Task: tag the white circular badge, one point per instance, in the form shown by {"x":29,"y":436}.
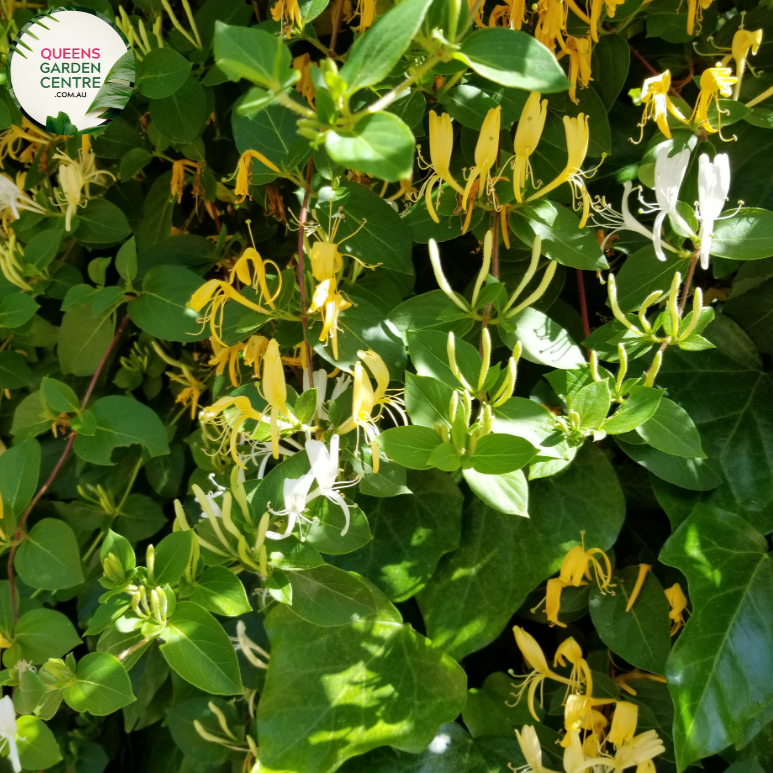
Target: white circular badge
{"x":70,"y":70}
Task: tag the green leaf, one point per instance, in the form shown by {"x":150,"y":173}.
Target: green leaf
{"x":14,"y":371}
{"x":41,"y":249}
{"x":513,"y":59}
{"x":380,"y":145}
{"x":328,"y":523}
{"x":181,"y":116}
{"x":19,"y":475}
{"x":642,"y":635}
{"x":37,"y":745}
{"x":16,"y":310}
{"x":199,"y":650}
{"x":745,"y":236}
{"x":374,"y":55}
{"x":83,"y":340}
{"x":562,"y":238}
{"x":220,"y":591}
{"x":507,"y":493}
{"x":326,"y":595}
{"x":101,"y":685}
{"x":410,"y":534}
{"x":48,"y":557}
{"x":610,"y":64}
{"x":118,"y":85}
{"x":717,"y":684}
{"x":162,"y":311}
{"x":490,"y":709}
{"x":247,"y":52}
{"x":58,"y":396}
{"x":161,"y":72}
{"x":135,"y":159}
{"x":44,"y":633}
{"x":61,"y":124}
{"x":102,"y":224}
{"x":429,"y":354}
{"x":639,"y":407}
{"x":427,"y":401}
{"x":476,"y":589}
{"x":409,"y":446}
{"x":544,"y":341}
{"x":672,"y":431}
{"x":181,"y":718}
{"x":121,"y":421}
{"x":365,"y":684}
{"x":172,"y":556}
{"x":274,"y":133}
{"x":497,"y":454}
{"x":591,"y":403}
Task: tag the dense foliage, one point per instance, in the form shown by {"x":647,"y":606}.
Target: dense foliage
{"x":387,"y":388}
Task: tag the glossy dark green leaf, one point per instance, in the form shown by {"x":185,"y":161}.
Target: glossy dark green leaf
{"x":48,"y":558}
{"x":161,"y":72}
{"x":181,"y":116}
{"x":717,"y":686}
{"x":747,"y":235}
{"x":43,"y":634}
{"x":83,"y":340}
{"x":412,"y":688}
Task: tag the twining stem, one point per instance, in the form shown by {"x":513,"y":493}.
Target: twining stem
{"x":583,"y":303}
{"x":301,"y":277}
{"x":687,"y":283}
{"x":58,"y":468}
{"x":650,"y":68}
{"x":337,"y":17}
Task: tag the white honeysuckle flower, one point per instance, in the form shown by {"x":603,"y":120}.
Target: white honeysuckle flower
{"x":607,"y":217}
{"x":12,"y":196}
{"x":713,"y":187}
{"x":669,"y":174}
{"x":324,"y":466}
{"x":8,"y":730}
{"x":296,"y":495}
{"x":252,"y":651}
{"x":341,"y":385}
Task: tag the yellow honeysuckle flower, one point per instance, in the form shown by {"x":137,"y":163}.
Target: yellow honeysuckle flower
{"x":578,"y":564}
{"x":192,"y":387}
{"x":554,"y":589}
{"x":179,"y":168}
{"x":252,"y":354}
{"x":231,"y":413}
{"x":570,"y":650}
{"x":304,"y":86}
{"x":274,"y":391}
{"x":527,"y":137}
{"x":695,"y":9}
{"x":486,"y":151}
{"x":75,"y":178}
{"x":289,"y":11}
{"x":441,"y":146}
{"x":577,"y":138}
{"x":743,"y":41}
{"x":623,"y":723}
{"x":528,"y":741}
{"x":367,"y":13}
{"x":243,"y":169}
{"x":535,"y":659}
{"x":517,"y":13}
{"x":551,"y":23}
{"x":678,"y":603}
{"x":623,"y":680}
{"x":580,"y":714}
{"x":715,"y":82}
{"x":214,"y":294}
{"x":595,"y":14}
{"x":326,"y":258}
{"x":257,"y":277}
{"x":580,"y":50}
{"x":639,"y":751}
{"x":331,"y":303}
{"x":657,"y":103}
{"x":640,"y":579}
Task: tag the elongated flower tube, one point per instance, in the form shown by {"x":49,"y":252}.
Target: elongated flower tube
{"x":274,"y":390}
{"x":595,"y":14}
{"x":330,"y":303}
{"x":529,"y":743}
{"x":715,"y":82}
{"x":638,"y":752}
{"x":744,"y":41}
{"x":580,"y":565}
{"x":623,"y":723}
{"x":695,"y":9}
{"x":8,"y":730}
{"x":485,"y":154}
{"x":551,"y":24}
{"x":441,"y":146}
{"x":214,"y":294}
{"x":13,"y":198}
{"x":243,"y":169}
{"x":288,"y":11}
{"x":527,"y":137}
{"x":669,"y":174}
{"x":256,"y":278}
{"x":580,"y":49}
{"x":577,"y":138}
{"x":581,"y":679}
{"x":658,"y":104}
{"x":713,"y":187}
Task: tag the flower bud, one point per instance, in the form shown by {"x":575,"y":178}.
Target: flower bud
{"x":150,"y":560}
{"x":113,"y":569}
{"x":59,"y":670}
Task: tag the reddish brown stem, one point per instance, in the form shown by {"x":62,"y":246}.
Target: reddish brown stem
{"x":338,"y":14}
{"x":583,"y":303}
{"x":301,"y":278}
{"x":687,"y":283}
{"x":57,"y":469}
